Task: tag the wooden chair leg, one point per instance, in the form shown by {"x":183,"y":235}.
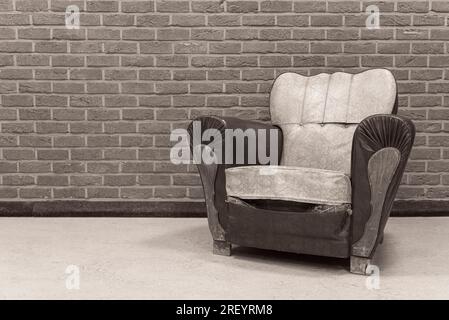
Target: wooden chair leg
{"x":222,"y":248}
{"x":359,"y":265}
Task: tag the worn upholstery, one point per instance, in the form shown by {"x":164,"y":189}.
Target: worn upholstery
{"x":318,"y":115}
{"x":305,"y":185}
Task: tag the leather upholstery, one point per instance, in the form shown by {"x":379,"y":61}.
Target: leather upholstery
{"x":318,"y":114}
{"x":373,"y":134}
{"x":304,"y":185}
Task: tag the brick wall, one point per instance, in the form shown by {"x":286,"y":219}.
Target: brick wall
{"x":86,"y":114}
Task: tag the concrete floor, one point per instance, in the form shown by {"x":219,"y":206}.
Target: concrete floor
{"x":158,"y":258}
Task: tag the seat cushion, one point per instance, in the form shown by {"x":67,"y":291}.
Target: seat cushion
{"x":307,"y":185}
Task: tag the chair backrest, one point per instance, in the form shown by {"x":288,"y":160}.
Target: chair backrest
{"x":318,"y":114}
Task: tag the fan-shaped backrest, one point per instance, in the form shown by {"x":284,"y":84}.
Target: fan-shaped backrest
{"x":318,"y":114}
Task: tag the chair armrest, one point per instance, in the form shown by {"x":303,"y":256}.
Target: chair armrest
{"x":213,"y":175}
{"x":380,"y":150}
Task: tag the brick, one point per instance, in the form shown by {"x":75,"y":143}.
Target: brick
{"x":188,"y":21}
{"x":275,"y":61}
{"x":52,"y":155}
{"x":19,"y":154}
{"x":118,"y":20}
{"x":153,"y":180}
{"x":136,"y":193}
{"x":224,"y":48}
{"x":86,"y":47}
{"x":207,"y":34}
{"x":51,"y":127}
{"x":343,"y":6}
{"x":51,"y":101}
{"x":7,"y":193}
{"x":120,"y":180}
{"x":172,"y":34}
{"x":17,"y":127}
{"x":52,"y":180}
{"x":102,"y":193}
{"x":34,"y":34}
{"x":69,"y":142}
{"x":241,"y":61}
{"x":275,"y":34}
{"x":68,"y":115}
{"x":137,"y":6}
{"x":169,"y":192}
{"x":171,"y":114}
{"x":172,"y":61}
{"x":412,"y":34}
{"x":413,"y":6}
{"x":359,"y":47}
{"x":121,"y":154}
{"x":51,"y":74}
{"x":276,"y":6}
{"x":391,"y":48}
{"x":69,"y":193}
{"x":16,"y":74}
{"x":189,"y":75}
{"x":67,"y":61}
{"x":6,"y":5}
{"x":224,"y":20}
{"x":103,"y":61}
{"x":7,"y":34}
{"x":72,"y":87}
{"x":122,"y":48}
{"x":308,"y":34}
{"x":138,"y":34}
{"x":89,"y":180}
{"x":242,"y":6}
{"x":153,"y":20}
{"x":207,"y":6}
{"x":102,"y":6}
{"x":265,"y":20}
{"x":428,"y":20}
{"x":171,"y":88}
{"x":34,"y":114}
{"x":440,"y":6}
{"x":326,"y":21}
{"x":342,"y":34}
{"x":377,"y":34}
{"x":310,"y":6}
{"x":410,"y":61}
{"x":377,"y":61}
{"x":18,"y":180}
{"x":103,"y":34}
{"x":67,"y":34}
{"x":120,"y":127}
{"x":308,"y":61}
{"x":50,"y":47}
{"x":436,"y":61}
{"x":14,"y":19}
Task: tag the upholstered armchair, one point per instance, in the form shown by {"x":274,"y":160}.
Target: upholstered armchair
{"x":339,"y":155}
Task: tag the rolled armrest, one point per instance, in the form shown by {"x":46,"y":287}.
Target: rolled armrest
{"x":380,"y":150}
{"x":213,"y":174}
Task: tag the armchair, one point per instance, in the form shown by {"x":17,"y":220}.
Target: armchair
{"x":336,"y":164}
